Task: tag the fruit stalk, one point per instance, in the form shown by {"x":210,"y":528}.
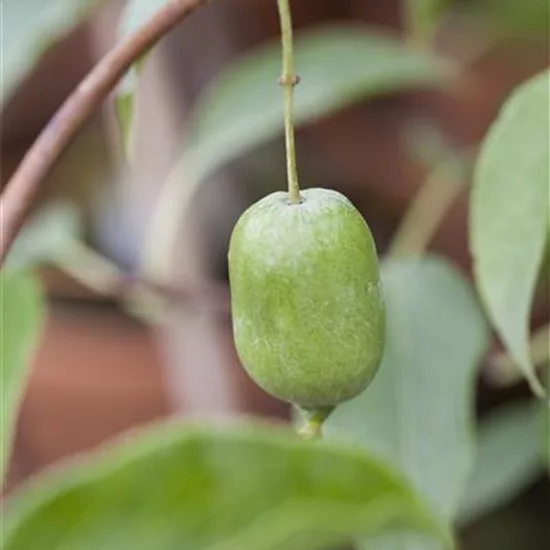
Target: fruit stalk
{"x":310,"y":422}
{"x":288,"y":80}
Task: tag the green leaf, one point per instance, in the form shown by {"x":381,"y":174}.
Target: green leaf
{"x":546,"y":438}
{"x":243,"y":107}
{"x":50,"y":235}
{"x":417,"y":414}
{"x":124,"y":106}
{"x":423,"y":17}
{"x":22,"y":313}
{"x":238,"y":488}
{"x":136,"y":13}
{"x":509,"y":216}
{"x":339,"y":66}
{"x":29,"y":28}
{"x":511,"y":17}
{"x":509,"y":457}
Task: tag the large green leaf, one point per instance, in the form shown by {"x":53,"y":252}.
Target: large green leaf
{"x":29,"y":28}
{"x":510,"y":456}
{"x":509,"y":215}
{"x":21,"y":316}
{"x":417,"y":414}
{"x":243,"y":107}
{"x":238,"y":488}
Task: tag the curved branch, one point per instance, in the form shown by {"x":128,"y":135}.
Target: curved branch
{"x":22,"y":188}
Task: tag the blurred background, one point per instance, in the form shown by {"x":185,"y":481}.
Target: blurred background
{"x":100,"y":368}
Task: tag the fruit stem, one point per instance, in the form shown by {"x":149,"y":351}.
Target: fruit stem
{"x":311,"y":421}
{"x":288,"y":80}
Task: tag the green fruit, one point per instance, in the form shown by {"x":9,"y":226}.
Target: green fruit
{"x":308,"y":313}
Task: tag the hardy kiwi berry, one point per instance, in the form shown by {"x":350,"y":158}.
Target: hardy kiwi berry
{"x":307,"y":307}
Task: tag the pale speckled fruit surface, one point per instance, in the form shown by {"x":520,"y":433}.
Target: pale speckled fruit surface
{"x":307,"y":305}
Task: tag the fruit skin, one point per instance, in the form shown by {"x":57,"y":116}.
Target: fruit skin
{"x":307,"y":305}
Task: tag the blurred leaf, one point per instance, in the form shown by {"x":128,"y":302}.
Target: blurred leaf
{"x":50,"y":235}
{"x":29,"y":28}
{"x":21,"y":312}
{"x":428,"y":142}
{"x":513,"y":17}
{"x":124,"y":104}
{"x":243,"y":108}
{"x":136,"y":13}
{"x":546,"y":433}
{"x":423,"y":17}
{"x":239,"y":488}
{"x":339,"y":66}
{"x":509,"y":225}
{"x":509,"y":457}
{"x":501,"y":370}
{"x":417,"y":413}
